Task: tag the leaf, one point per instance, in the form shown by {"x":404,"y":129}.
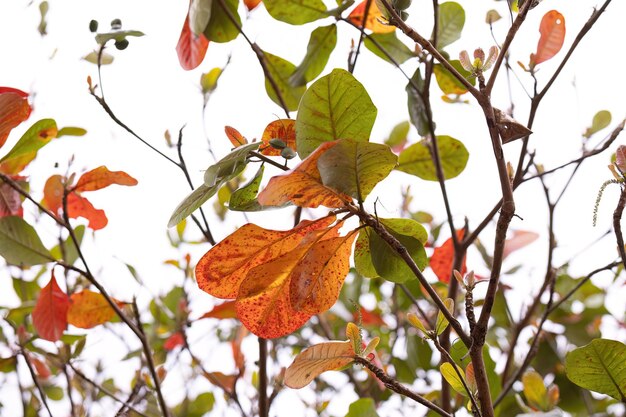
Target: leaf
{"x":105,"y":59}
{"x":452,"y":378}
{"x":281,"y":70}
{"x":8,"y":365}
{"x":283,"y":129}
{"x":225,"y":310}
{"x":354,"y":168}
{"x":50,"y":313}
{"x":442,"y":321}
{"x":222,"y":269}
{"x":303,"y":186}
{"x":175,"y":340}
{"x":600,"y":120}
{"x":535,"y":390}
{"x":10,"y":201}
{"x":199,"y":15}
{"x":208,"y":82}
{"x":417,"y":107}
{"x":451,"y":22}
{"x":191,"y":47}
{"x":520,"y":239}
{"x":363,"y":407}
{"x":417,"y":323}
{"x":552,"y":29}
{"x":251,"y":4}
{"x":296,"y":12}
{"x":89,"y":309}
{"x":321,"y":43}
{"x":373,"y":21}
{"x":389,"y":42}
{"x":244,"y":199}
{"x":14,"y":109}
{"x":78,"y":206}
{"x":318,"y":277}
{"x":599,"y":366}
{"x":363,"y":256}
{"x":215,"y":176}
{"x":447,"y":82}
{"x":220,"y":28}
{"x":398,"y":136}
{"x":118,"y":35}
{"x":336,"y":106}
{"x":71,"y":131}
{"x":354,"y":336}
{"x":235,"y":138}
{"x":443,"y":258}
{"x":101,"y":177}
{"x":416,"y":159}
{"x":19,"y":243}
{"x":26,"y":148}
{"x":386,"y":261}
{"x":314,"y":360}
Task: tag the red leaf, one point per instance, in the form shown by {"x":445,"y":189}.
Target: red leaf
{"x":283,"y":129}
{"x":14,"y":109}
{"x":50,"y":313}
{"x":174,"y":341}
{"x":443,"y":257}
{"x":101,"y":177}
{"x":191,"y":48}
{"x":10,"y":200}
{"x":552,"y":29}
{"x":369,"y":318}
{"x":235,"y":138}
{"x":519,"y":239}
{"x":53,"y":194}
{"x":223,"y":311}
{"x":78,"y":206}
{"x":41,"y":369}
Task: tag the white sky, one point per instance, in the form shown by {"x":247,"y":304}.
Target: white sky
{"x":151,"y":93}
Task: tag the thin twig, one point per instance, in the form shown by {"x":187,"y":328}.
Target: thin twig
{"x":33,"y":375}
{"x":352,"y":64}
{"x":617,"y":226}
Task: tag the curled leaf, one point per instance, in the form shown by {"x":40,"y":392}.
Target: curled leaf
{"x":316,"y":359}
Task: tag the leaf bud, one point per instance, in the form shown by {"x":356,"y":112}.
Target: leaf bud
{"x":402,"y":4}
{"x":93,"y":26}
{"x":288,"y":153}
{"x":404,"y":15}
{"x":277,"y":143}
{"x":116,"y":24}
{"x":121,"y":44}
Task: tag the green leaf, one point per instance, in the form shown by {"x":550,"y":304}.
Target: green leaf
{"x":386,"y":261}
{"x":71,"y":131}
{"x":452,"y":377}
{"x":448,"y":83}
{"x":215,"y":176}
{"x":535,"y":390}
{"x":8,"y":365}
{"x":296,"y":12}
{"x":442,"y":321}
{"x":69,"y":253}
{"x":19,"y":243}
{"x":336,"y":106}
{"x":321,"y":44}
{"x":398,"y":134}
{"x":363,"y":256}
{"x":197,"y":407}
{"x":600,"y":120}
{"x":26,"y":290}
{"x":416,"y":159}
{"x":117,"y":35}
{"x":451,"y":21}
{"x":25,"y":150}
{"x":53,"y":392}
{"x":220,"y":29}
{"x":417,"y":108}
{"x":388,"y":42}
{"x":281,"y":70}
{"x":363,"y":407}
{"x":458,"y":351}
{"x":354,"y":168}
{"x":244,"y":199}
{"x":599,"y":366}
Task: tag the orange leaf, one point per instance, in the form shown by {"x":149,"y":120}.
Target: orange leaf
{"x":41,"y":369}
{"x":14,"y":109}
{"x":235,"y":344}
{"x":234,"y":136}
{"x":443,"y":257}
{"x":303,"y":186}
{"x":101,"y":177}
{"x":251,"y":4}
{"x":225,"y":382}
{"x":373,"y":23}
{"x":369,"y":318}
{"x":222,"y":269}
{"x":53,"y":194}
{"x":283,"y":129}
{"x":552,"y":29}
{"x":318,"y":277}
{"x":88,"y":309}
{"x":174,"y":341}
{"x":223,"y":311}
{"x":50,"y":313}
{"x":191,"y":48}
{"x":78,"y":206}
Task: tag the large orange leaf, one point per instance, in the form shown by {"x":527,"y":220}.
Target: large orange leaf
{"x":222,"y":269}
{"x":14,"y":109}
{"x":443,"y":257}
{"x":283,"y":129}
{"x":50,"y":313}
{"x":191,"y":48}
{"x":101,"y":177}
{"x":318,"y":277}
{"x":303,"y":186}
{"x":88,"y":309}
{"x":78,"y":206}
{"x":373,"y":18}
{"x":552,"y":29}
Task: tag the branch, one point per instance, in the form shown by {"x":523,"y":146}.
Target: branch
{"x":617,"y":217}
{"x":33,"y":375}
{"x":352,"y":64}
{"x":263,"y":400}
